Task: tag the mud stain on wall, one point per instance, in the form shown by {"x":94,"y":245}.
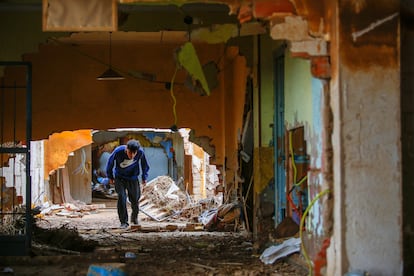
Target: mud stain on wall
{"x":367,"y":33}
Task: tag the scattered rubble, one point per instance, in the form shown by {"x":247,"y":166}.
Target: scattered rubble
{"x":65,"y":240}
{"x":73,"y":238}
{"x":167,"y":253}
{"x":161,"y":201}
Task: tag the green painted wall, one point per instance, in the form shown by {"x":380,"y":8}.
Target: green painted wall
{"x":298,"y":92}
{"x":266,"y":78}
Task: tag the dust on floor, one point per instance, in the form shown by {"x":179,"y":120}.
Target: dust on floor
{"x":78,"y":245}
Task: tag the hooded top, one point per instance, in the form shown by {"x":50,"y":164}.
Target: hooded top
{"x":125,"y":168}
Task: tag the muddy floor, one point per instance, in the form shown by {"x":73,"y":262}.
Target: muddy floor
{"x":95,"y":244}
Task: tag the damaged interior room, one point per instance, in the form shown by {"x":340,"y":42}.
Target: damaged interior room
{"x":278,"y":137}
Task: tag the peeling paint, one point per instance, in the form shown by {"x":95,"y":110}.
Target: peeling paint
{"x":294,"y":28}
{"x":321,"y":67}
{"x":313,"y":47}
{"x":59,"y":145}
{"x":269,"y":8}
{"x":188,"y":58}
{"x":222,"y":33}
{"x":264,"y":162}
{"x":315,"y":219}
{"x":216,"y":34}
{"x":313,"y":11}
{"x":317,"y":127}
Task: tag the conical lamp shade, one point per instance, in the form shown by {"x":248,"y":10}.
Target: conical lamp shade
{"x":110,"y":75}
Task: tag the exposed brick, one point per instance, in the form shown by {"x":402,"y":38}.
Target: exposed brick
{"x":267,"y":8}
{"x":321,"y":67}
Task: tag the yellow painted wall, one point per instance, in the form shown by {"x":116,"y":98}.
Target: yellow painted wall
{"x":67,"y":96}
{"x":58,"y":146}
{"x":267,"y":46}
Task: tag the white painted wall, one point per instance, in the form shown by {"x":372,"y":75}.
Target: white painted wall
{"x":367,"y":170}
{"x":158,"y":162}
{"x":40,"y":189}
{"x":15,"y":174}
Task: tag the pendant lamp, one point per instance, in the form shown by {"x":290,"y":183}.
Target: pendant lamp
{"x":110,"y":74}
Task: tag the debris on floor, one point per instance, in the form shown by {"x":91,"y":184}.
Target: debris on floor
{"x":169,"y":253}
{"x":221,"y":218}
{"x":276,"y":252}
{"x":69,"y":210}
{"x":101,"y":191}
{"x":64,"y":240}
{"x":161,"y":198}
{"x":83,"y":244}
{"x":107,"y":269}
{"x":13,"y":225}
{"x":162,"y":201}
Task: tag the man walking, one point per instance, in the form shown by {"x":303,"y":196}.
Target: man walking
{"x":123,"y":167}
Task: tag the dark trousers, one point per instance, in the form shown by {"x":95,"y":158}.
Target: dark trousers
{"x":134,"y":193}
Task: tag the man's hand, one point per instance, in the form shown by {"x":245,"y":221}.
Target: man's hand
{"x":111,"y":181}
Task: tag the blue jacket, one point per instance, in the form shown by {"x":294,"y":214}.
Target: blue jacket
{"x":126,"y":168}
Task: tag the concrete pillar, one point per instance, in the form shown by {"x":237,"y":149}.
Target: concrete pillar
{"x":365,"y":99}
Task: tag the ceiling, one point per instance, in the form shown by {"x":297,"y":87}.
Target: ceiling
{"x":153,"y":23}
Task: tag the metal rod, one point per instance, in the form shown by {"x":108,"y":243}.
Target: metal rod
{"x":13,"y":150}
{"x":28,"y":140}
{"x":110,"y":49}
{"x":27,"y":238}
{"x":14,"y":144}
{"x":2,"y":117}
{"x":2,"y":137}
{"x":13,"y":86}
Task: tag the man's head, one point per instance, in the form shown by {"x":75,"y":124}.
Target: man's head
{"x":132,"y":148}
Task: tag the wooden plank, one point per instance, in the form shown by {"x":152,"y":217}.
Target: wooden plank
{"x":147,"y":206}
{"x":194,"y":227}
{"x":188,"y":174}
{"x":143,"y":202}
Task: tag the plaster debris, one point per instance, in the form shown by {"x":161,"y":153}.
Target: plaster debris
{"x":372,"y":26}
{"x":275,"y":252}
{"x":295,"y":28}
{"x":162,"y":200}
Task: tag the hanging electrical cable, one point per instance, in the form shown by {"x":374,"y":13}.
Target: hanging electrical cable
{"x":174,"y":127}
{"x":302,"y":221}
{"x":295,"y":184}
{"x":292,"y":154}
{"x":2,"y":116}
{"x":133,"y":74}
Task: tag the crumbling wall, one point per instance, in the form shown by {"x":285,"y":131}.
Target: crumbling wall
{"x":407,"y":118}
{"x":67,"y":95}
{"x":365,"y":99}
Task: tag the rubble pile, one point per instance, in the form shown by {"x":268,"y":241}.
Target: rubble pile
{"x":76,"y":209}
{"x":162,"y":200}
{"x":190,"y":213}
{"x":164,"y":193}
{"x":13,"y":224}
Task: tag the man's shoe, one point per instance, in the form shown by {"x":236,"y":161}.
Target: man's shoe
{"x":134,"y":221}
{"x":124,"y":226}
